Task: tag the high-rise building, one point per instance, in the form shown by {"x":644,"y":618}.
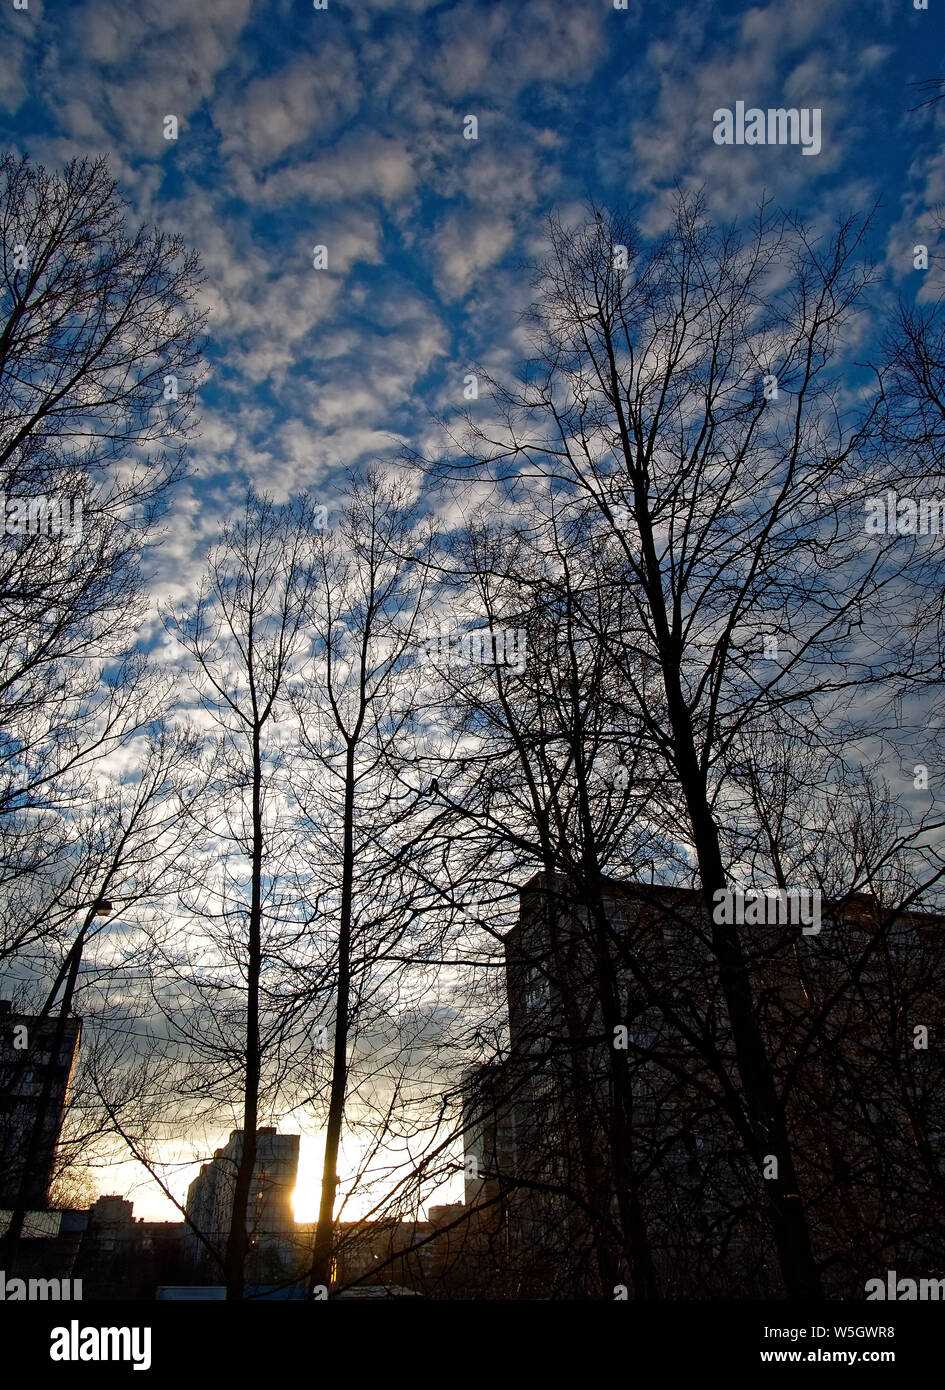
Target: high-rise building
{"x":269,"y":1216}
{"x":587,"y":1143}
{"x":34,"y":1084}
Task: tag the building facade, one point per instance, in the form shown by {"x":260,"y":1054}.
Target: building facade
{"x":269,"y":1217}
{"x":35,"y":1077}
{"x":601,"y":1154}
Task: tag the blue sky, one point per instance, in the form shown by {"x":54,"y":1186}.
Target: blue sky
{"x":344,"y":127}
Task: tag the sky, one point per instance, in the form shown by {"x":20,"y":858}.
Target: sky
{"x":346,"y":127}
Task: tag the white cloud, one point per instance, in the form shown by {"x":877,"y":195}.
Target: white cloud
{"x":15,"y":29}
{"x":468,"y":245}
{"x":274,"y":113}
{"x":502,"y":49}
{"x":783,"y":53}
{"x":923,"y":206}
{"x":365,"y":165}
{"x":160,"y":57}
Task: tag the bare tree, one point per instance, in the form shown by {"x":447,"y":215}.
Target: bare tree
{"x":244,"y":633}
{"x":692,"y":398}
{"x":539,"y":779}
{"x":126,"y":845}
{"x":356,"y":717}
{"x":99,"y":365}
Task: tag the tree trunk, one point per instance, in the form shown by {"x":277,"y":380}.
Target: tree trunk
{"x":324,"y":1232}
{"x":237,"y":1243}
{"x":766,"y":1114}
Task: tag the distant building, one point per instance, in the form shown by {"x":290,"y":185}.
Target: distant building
{"x":121,"y":1258}
{"x":269,"y":1217}
{"x":26,"y":1065}
{"x":489,"y":1126}
{"x":410,"y":1255}
{"x":112,"y":1254}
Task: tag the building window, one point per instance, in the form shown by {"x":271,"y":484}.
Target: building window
{"x":536,"y":991}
